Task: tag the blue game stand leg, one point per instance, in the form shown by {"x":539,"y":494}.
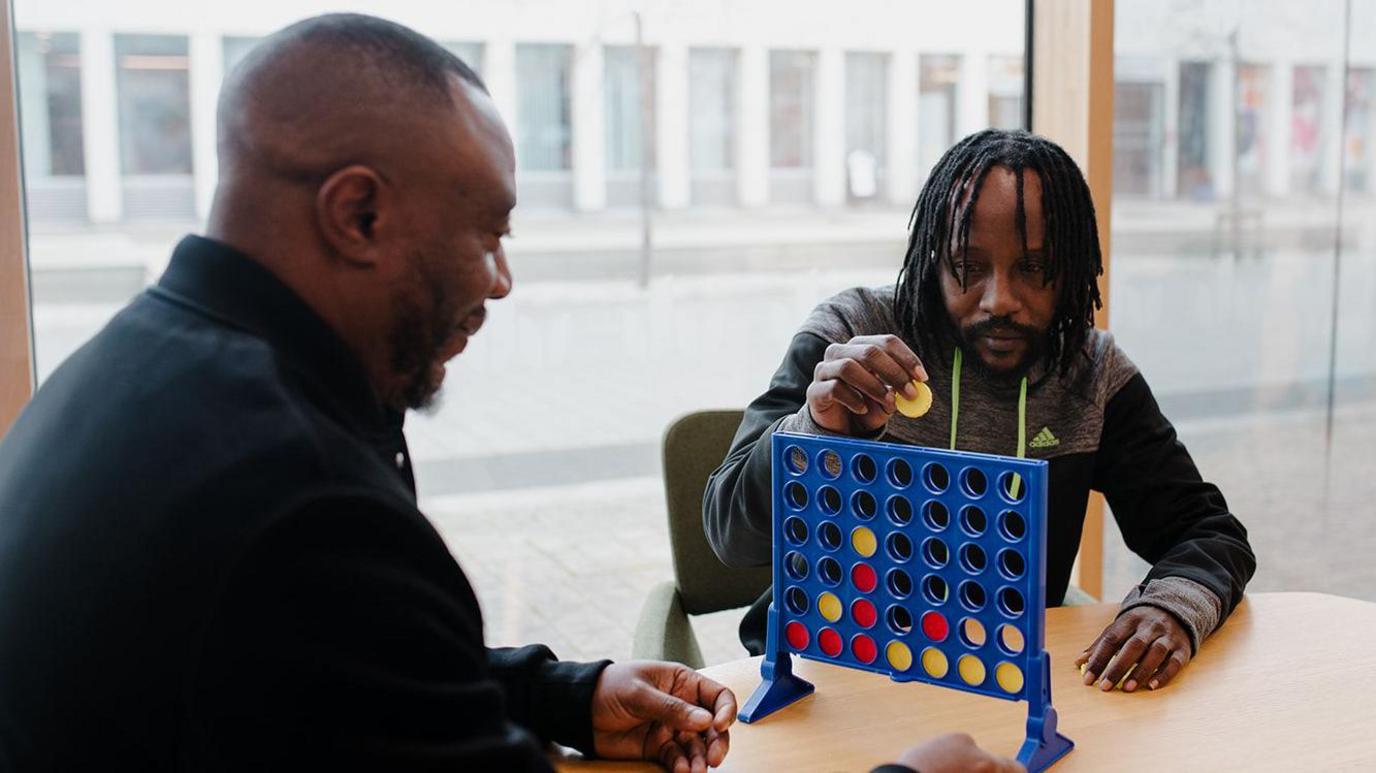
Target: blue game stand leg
{"x":779,"y":687}
{"x":1043,"y":745}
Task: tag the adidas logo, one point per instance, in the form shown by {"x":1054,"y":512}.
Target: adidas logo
{"x":1044,"y":439}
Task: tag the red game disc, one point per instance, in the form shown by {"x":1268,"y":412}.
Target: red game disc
{"x":864,"y":578}
{"x":830,"y":642}
{"x":864,"y":649}
{"x":796,"y":633}
{"x":935,"y":626}
{"x":863,"y":613}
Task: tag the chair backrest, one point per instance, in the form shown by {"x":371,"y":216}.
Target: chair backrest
{"x":694,"y":446}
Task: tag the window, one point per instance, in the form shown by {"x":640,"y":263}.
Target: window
{"x":712,"y":112}
{"x":752,"y":126}
{"x":938,"y":91}
{"x":866,"y":123}
{"x":1195,"y":173}
{"x":790,"y":109}
{"x":154,"y":104}
{"x":543,"y":124}
{"x":51,"y":90}
{"x":1252,"y":134}
{"x":1307,"y":131}
{"x":1005,"y":92}
{"x":628,"y":89}
{"x":1359,"y":133}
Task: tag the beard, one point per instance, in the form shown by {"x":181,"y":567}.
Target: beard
{"x":1036,"y":346}
{"x":419,"y":336}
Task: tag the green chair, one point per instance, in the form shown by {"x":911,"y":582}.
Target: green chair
{"x":694,"y":446}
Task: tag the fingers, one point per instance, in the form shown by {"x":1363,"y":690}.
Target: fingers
{"x":1151,"y":660}
{"x":719,"y":699}
{"x":859,"y":377}
{"x":673,"y":758}
{"x":1174,"y":663}
{"x":899,"y":352}
{"x":1127,"y":657}
{"x":1105,"y":647}
{"x":695,"y":750}
{"x":653,"y":704}
{"x":718,"y":744}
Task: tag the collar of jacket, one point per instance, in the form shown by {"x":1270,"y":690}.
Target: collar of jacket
{"x":233,"y":288}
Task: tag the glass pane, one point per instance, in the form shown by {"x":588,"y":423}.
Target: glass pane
{"x":542,"y":116}
{"x":791,"y":109}
{"x":154,"y":104}
{"x":541,"y":468}
{"x":1232,"y":288}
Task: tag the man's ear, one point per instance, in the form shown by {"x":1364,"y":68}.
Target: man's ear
{"x":351,"y":211}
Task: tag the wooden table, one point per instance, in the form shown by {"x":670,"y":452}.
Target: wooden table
{"x":1289,"y":683}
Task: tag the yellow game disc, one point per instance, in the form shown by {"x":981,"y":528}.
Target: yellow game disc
{"x":1009,"y":677}
{"x":934,"y":662}
{"x":1011,"y":638}
{"x":829,"y":606}
{"x":863,"y":541}
{"x":971,"y":670}
{"x":972,"y":631}
{"x":918,"y":406}
{"x":900,"y":657}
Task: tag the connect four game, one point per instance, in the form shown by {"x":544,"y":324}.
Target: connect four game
{"x":918,"y":564}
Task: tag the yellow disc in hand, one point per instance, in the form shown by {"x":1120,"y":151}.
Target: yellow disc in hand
{"x":919,"y":405}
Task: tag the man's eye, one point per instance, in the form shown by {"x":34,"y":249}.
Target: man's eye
{"x":1033,"y":267}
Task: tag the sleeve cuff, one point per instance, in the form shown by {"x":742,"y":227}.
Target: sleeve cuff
{"x":1197,"y":608}
{"x":561,"y":702}
{"x":803,"y":423}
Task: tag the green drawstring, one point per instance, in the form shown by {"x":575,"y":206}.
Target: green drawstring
{"x":1016,"y":484}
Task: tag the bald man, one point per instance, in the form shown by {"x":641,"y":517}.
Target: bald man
{"x":210,"y":552}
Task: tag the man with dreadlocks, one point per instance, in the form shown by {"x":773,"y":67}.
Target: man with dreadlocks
{"x":994,"y":311}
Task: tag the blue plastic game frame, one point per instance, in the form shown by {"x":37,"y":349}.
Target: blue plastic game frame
{"x":988,"y":552}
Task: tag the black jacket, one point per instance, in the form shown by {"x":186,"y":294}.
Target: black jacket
{"x":1112,"y":439}
{"x":211,"y":558}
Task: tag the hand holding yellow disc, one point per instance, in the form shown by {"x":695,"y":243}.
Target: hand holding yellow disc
{"x":917,"y":406}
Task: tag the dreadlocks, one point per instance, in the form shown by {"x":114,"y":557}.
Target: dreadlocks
{"x":939,"y":220}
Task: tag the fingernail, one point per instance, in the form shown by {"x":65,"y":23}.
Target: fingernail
{"x":1130,"y":685}
{"x":700,"y":716}
{"x":1154,"y":684}
{"x":1106,"y":685}
{"x":1090,"y":676}
{"x":864,"y":409}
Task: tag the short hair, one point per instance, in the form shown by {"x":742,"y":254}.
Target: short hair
{"x":1072,"y":236}
{"x":400,"y":54}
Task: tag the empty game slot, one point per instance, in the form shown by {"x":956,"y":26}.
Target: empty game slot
{"x":936,"y":477}
{"x":972,"y":595}
{"x":900,"y":584}
{"x":1010,"y":639}
{"x":936,"y":515}
{"x":796,"y":494}
{"x":1012,"y":564}
{"x":972,"y":558}
{"x":795,"y":564}
{"x":900,"y":510}
{"x":796,"y":600}
{"x":831,"y":464}
{"x":899,"y":547}
{"x":900,"y":473}
{"x":1013,"y":487}
{"x":973,"y":483}
{"x":1012,"y":526}
{"x":829,"y":571}
{"x":972,"y":633}
{"x":797,"y":460}
{"x":1011,"y":602}
{"x":900,"y":620}
{"x":934,"y":588}
{"x":863,"y":505}
{"x":795,"y":530}
{"x":934,"y":553}
{"x":829,"y":535}
{"x":864,"y":467}
{"x":973,"y":521}
{"x":829,"y":499}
